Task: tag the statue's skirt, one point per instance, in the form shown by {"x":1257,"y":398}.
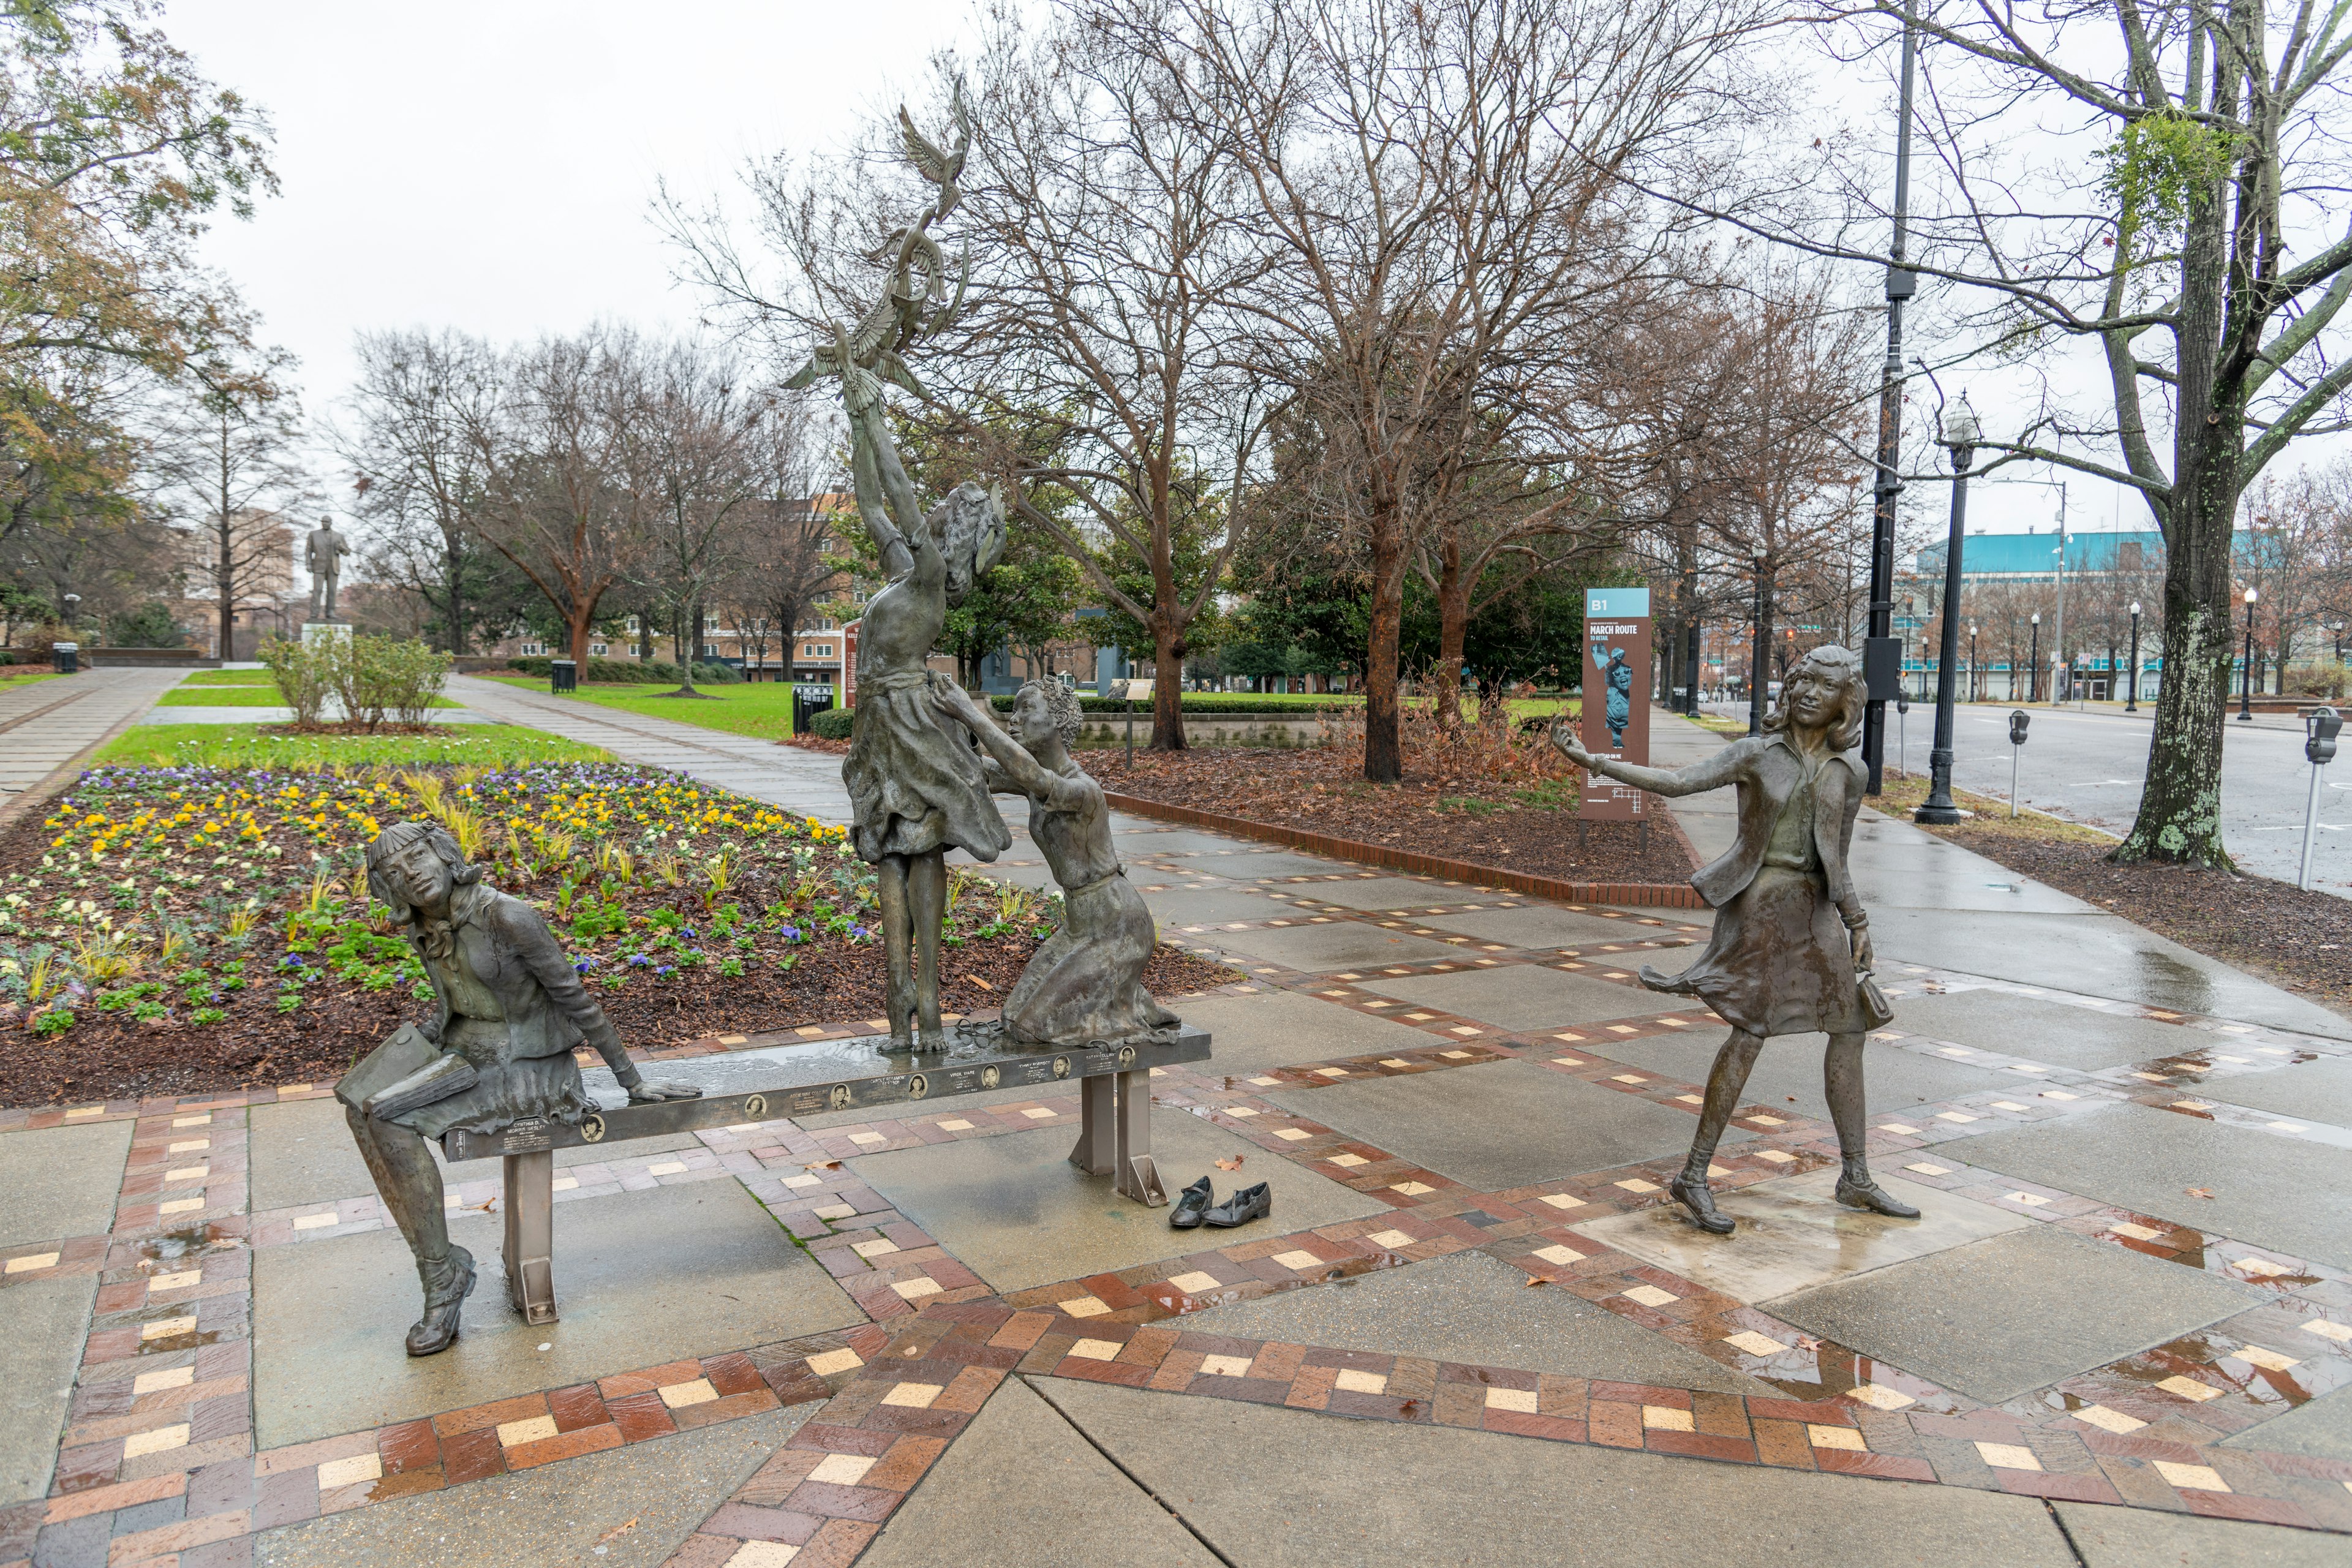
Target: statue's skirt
{"x":505,"y":1092}
{"x":915,"y":785}
{"x":1779,"y":961}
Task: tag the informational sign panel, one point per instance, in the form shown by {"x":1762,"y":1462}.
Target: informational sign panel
{"x":1616,"y":697}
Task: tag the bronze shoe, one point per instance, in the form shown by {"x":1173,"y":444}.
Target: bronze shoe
{"x":1869,"y":1194}
{"x":1190,"y":1204}
{"x":445,"y":1295}
{"x":1696,"y":1196}
{"x":1249,"y":1204}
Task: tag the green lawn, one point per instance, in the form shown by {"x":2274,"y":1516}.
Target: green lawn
{"x":239,"y":697}
{"x":228,"y":678}
{"x":244,"y":746}
{"x":763,"y":709}
{"x":12,"y":676}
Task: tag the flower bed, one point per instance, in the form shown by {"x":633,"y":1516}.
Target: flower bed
{"x":177,"y":930}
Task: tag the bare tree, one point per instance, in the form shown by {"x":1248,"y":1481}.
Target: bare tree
{"x":1408,"y":170}
{"x":224,"y":460}
{"x":423,"y":477}
{"x":550,"y":447}
{"x":690,"y":440}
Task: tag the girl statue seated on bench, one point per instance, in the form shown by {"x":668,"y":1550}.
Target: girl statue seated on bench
{"x":496,"y":1051}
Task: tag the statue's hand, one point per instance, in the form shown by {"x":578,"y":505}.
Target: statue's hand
{"x":1569,"y":746}
{"x":1865,"y":961}
{"x":954,"y":702}
{"x":653,"y":1090}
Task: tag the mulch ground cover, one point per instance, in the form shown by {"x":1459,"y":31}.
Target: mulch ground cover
{"x":184,"y":931}
{"x":1490,"y":794}
{"x":2302,"y":942}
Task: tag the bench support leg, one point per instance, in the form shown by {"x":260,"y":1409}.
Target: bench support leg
{"x":1097,"y":1150}
{"x":1138,"y":1178}
{"x":531,"y":1235}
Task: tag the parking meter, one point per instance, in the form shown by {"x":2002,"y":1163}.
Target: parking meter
{"x":2320,"y":729}
{"x":2017,"y":720}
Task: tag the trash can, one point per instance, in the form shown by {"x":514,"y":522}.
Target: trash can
{"x":68,"y":654}
{"x":564,"y":675}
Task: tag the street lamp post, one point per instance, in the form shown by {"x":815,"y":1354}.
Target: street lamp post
{"x":1959,"y":434}
{"x":2032,"y":665}
{"x":2246,"y":676}
{"x":2131,"y":698}
{"x":1976,"y":686}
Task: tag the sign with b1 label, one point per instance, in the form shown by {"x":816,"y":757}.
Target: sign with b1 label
{"x":1616,"y":721}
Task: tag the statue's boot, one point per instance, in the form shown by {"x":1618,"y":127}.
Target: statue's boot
{"x":1690,"y":1190}
{"x":449,"y":1280}
{"x":1857,"y":1190}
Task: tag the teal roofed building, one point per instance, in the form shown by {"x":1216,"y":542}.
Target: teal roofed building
{"x":2033,"y":557}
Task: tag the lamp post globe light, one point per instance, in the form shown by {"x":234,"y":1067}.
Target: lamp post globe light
{"x":2246,"y":676}
{"x":1959,"y":435}
{"x":2033,"y":666}
{"x":2131,"y":692}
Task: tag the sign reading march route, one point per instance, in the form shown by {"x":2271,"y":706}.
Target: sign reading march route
{"x":1616,"y":697}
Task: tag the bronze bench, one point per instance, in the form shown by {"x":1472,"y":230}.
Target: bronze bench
{"x":1114,"y":1127}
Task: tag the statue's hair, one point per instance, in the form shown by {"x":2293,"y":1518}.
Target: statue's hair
{"x":1063,"y":704}
{"x":394,"y":841}
{"x":1843,"y":665}
{"x":970,"y":528}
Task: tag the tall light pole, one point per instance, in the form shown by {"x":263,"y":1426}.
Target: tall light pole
{"x":2058,"y":632}
{"x":1975,"y":692}
{"x":2131,"y":692}
{"x":1959,"y":435}
{"x":2032,"y":665}
{"x":1882,"y":654}
{"x":2246,"y":677}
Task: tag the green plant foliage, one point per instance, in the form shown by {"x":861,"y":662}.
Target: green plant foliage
{"x":833,"y":724}
{"x":2155,"y":169}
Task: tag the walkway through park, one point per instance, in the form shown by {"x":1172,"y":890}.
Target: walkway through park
{"x":47,"y":724}
{"x":1469,"y":1333}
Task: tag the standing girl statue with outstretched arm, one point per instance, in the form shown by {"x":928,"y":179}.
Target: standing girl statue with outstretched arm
{"x":1789,"y":953}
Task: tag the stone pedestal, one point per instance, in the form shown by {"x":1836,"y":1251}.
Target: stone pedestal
{"x":317,"y":632}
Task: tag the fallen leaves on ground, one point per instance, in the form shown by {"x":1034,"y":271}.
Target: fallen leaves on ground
{"x":1233,"y":1164}
{"x":2200,"y":1192}
{"x":618,"y":1531}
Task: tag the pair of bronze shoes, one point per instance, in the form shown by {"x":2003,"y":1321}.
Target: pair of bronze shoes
{"x":1863,"y":1193}
{"x":1196,"y":1206}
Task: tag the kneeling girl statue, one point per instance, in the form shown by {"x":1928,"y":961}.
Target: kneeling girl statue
{"x":1789,"y":953}
{"x":497,"y":1050}
{"x":1086,"y":982}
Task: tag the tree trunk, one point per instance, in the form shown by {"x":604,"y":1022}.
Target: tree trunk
{"x":577,"y":623}
{"x":1383,"y":742}
{"x":454,"y":559}
{"x":1167,"y":685}
{"x":693,"y":618}
{"x":1453,"y":629}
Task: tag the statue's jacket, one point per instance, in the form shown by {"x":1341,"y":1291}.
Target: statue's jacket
{"x":505,"y":945}
{"x":1768,"y":770}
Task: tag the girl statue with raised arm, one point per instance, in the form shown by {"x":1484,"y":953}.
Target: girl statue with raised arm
{"x":1086,"y":982}
{"x":1789,"y":953}
{"x":914,"y":783}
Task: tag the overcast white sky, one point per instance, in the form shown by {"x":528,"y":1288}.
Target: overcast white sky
{"x":487,"y":166}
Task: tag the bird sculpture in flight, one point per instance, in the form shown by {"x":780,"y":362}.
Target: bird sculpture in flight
{"x":873,"y":351}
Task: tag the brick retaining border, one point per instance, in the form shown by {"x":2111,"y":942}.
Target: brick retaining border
{"x":1656,"y":895}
